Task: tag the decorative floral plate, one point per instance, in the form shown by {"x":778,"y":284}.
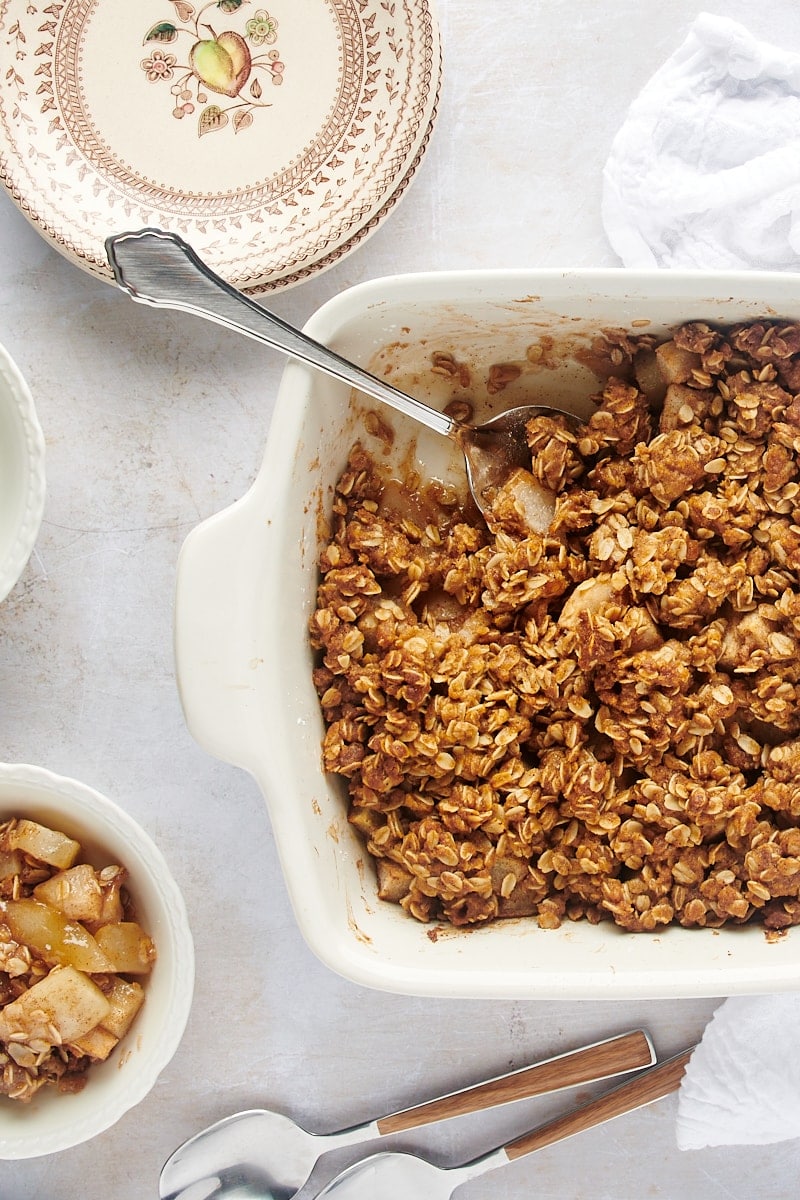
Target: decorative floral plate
{"x":273,"y":135}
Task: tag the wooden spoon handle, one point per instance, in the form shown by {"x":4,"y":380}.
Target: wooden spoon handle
{"x":614,"y":1056}
{"x":644,"y":1089}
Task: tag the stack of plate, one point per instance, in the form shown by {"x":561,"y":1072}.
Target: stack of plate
{"x":273,"y":139}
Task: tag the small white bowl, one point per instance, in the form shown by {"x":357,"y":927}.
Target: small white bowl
{"x":52,"y":1121}
{"x":22,"y":478}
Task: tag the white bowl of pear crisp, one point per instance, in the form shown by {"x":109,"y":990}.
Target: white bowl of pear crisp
{"x":96,"y":963}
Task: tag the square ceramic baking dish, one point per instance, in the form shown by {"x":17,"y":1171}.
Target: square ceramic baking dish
{"x":246,"y":588}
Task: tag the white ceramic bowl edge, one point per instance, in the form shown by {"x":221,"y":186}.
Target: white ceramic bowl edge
{"x":22,"y":474}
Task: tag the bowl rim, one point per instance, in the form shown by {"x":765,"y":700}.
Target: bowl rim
{"x":24,"y":537}
{"x":92,"y":805}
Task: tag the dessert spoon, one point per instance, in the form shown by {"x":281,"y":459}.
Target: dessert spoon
{"x":159,"y":268}
{"x":264,"y":1154}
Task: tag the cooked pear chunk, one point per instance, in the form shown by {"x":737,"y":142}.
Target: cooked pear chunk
{"x":394,"y":881}
{"x":590,"y":596}
{"x":111,"y":880}
{"x":523,"y":505}
{"x":126,"y":945}
{"x":125,"y":999}
{"x":10,"y":863}
{"x":63,"y":1006}
{"x":53,"y":937}
{"x":97,"y":1043}
{"x":676,"y":364}
{"x":48,"y":845}
{"x":75,"y":893}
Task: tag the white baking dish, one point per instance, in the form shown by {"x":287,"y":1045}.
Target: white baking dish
{"x":246,"y":588}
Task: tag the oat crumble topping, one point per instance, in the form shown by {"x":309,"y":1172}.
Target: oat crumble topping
{"x":601,"y":722}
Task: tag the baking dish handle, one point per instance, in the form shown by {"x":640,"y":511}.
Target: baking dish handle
{"x":216,"y":661}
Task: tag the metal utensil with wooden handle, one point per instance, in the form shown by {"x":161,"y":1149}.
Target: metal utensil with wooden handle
{"x":398,"y":1176}
{"x":270,"y":1154}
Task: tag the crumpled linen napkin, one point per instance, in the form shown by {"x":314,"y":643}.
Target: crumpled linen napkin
{"x":742,"y":1084}
{"x":705,"y":170}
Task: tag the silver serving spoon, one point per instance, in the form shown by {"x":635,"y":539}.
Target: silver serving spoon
{"x":394,"y":1176}
{"x":263,"y":1154}
{"x":159,"y":268}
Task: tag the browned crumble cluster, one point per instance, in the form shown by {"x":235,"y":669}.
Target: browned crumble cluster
{"x":601,"y":722}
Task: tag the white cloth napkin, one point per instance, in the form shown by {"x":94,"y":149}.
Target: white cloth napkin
{"x":705,"y":171}
{"x":742,"y":1084}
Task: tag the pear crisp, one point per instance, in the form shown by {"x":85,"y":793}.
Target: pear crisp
{"x":72,"y":961}
{"x":599,"y":720}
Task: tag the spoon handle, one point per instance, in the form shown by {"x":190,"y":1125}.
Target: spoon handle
{"x":159,"y":268}
{"x":613,"y":1056}
{"x":644,"y":1089}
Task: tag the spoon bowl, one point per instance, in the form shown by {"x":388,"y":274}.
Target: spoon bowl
{"x":159,"y":268}
{"x":256,"y":1153}
{"x":260,"y":1153}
